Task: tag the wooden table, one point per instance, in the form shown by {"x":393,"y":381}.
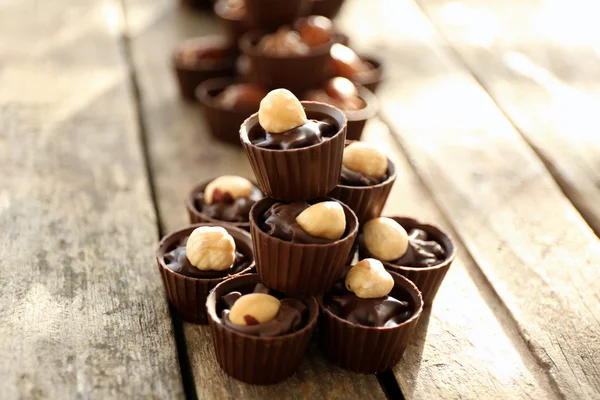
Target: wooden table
{"x":490,"y":110}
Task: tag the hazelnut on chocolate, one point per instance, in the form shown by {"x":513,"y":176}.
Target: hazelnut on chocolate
{"x":281,"y":111}
{"x":339,"y":92}
{"x":346,"y":62}
{"x":368,"y":279}
{"x":253,"y":309}
{"x":316,"y":30}
{"x":210,"y":248}
{"x":365,"y":158}
{"x":325,"y":220}
{"x":227,"y":187}
{"x":385,"y":239}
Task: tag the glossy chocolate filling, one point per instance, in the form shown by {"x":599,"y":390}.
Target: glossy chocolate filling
{"x":280,"y":221}
{"x":225,"y":208}
{"x":292,"y":315}
{"x":353,"y":178}
{"x":422,"y":252}
{"x":382,"y":312}
{"x":313,"y":132}
{"x":177,"y":261}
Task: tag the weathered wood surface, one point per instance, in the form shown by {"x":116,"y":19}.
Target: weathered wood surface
{"x":532,"y":245}
{"x":466,"y":345}
{"x":182,"y":153}
{"x":539,"y":61}
{"x":82,"y":311}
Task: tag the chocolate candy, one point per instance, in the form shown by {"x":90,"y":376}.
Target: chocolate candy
{"x":291,"y":317}
{"x":352,"y":178}
{"x":339,"y":92}
{"x":284,"y":42}
{"x":316,"y":30}
{"x":313,"y":132}
{"x":346,"y":63}
{"x":421,"y":252}
{"x":177,"y":261}
{"x":241,"y":97}
{"x":385,"y":311}
{"x":280,"y":221}
{"x":226,"y":209}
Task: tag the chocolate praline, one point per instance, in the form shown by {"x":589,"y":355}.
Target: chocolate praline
{"x":232,"y":212}
{"x":387,"y":311}
{"x":292,"y":315}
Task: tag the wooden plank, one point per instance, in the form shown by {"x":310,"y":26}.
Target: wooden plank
{"x":541,"y":68}
{"x":538,"y":253}
{"x":182,"y":153}
{"x":82,"y":313}
{"x":474,"y":344}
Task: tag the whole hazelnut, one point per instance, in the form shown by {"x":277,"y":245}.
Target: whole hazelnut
{"x":280,"y":111}
{"x":325,"y":220}
{"x":365,"y":158}
{"x":316,"y":30}
{"x":345,"y":62}
{"x":254,"y":308}
{"x":210,"y":248}
{"x":227,"y":187}
{"x":368,"y":279}
{"x":385,"y":239}
{"x":242,"y":97}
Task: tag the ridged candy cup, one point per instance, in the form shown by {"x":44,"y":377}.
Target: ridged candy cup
{"x":186,"y":294}
{"x":373,"y":78}
{"x":366,"y":349}
{"x":300,"y":269}
{"x":298,"y":174}
{"x":427,"y":279}
{"x":358,"y":119}
{"x":253,"y":359}
{"x":367,"y":202}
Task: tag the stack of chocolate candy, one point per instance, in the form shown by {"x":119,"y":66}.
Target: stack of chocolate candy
{"x":316,"y":201}
{"x":271,"y":44}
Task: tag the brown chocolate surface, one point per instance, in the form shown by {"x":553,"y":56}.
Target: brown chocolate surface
{"x":313,"y":132}
{"x":353,"y":178}
{"x":177,"y":261}
{"x":382,"y":312}
{"x":280,"y":221}
{"x":225,"y":208}
{"x":244,"y":97}
{"x":422,"y":252}
{"x":292,"y":315}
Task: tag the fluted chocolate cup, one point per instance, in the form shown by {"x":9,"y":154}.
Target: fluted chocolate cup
{"x":252,"y":359}
{"x":358,"y":119}
{"x":427,"y":279}
{"x":327,"y":8}
{"x":190,"y":76}
{"x":298,"y":174}
{"x":186,"y":294}
{"x":366,"y":349}
{"x":300,"y":269}
{"x":197,"y":216}
{"x":224,"y":123}
{"x":296,"y":73}
{"x":268,"y":15}
{"x":367,"y":202}
{"x":373,"y":78}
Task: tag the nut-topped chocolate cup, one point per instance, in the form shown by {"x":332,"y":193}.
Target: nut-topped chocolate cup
{"x":367,"y":202}
{"x":268,"y":15}
{"x":427,"y":279}
{"x":194,"y":203}
{"x":188,"y":294}
{"x":224,"y":122}
{"x":218,"y":63}
{"x":255,"y":359}
{"x":372,"y":79}
{"x":300,"y":173}
{"x":296,"y":73}
{"x":369,"y":349}
{"x":235,"y":24}
{"x":358,"y":119}
{"x":300,"y":268}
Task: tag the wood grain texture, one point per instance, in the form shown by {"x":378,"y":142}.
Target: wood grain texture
{"x":532,"y":245}
{"x":82,"y":313}
{"x":540,"y":63}
{"x":183,"y":153}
